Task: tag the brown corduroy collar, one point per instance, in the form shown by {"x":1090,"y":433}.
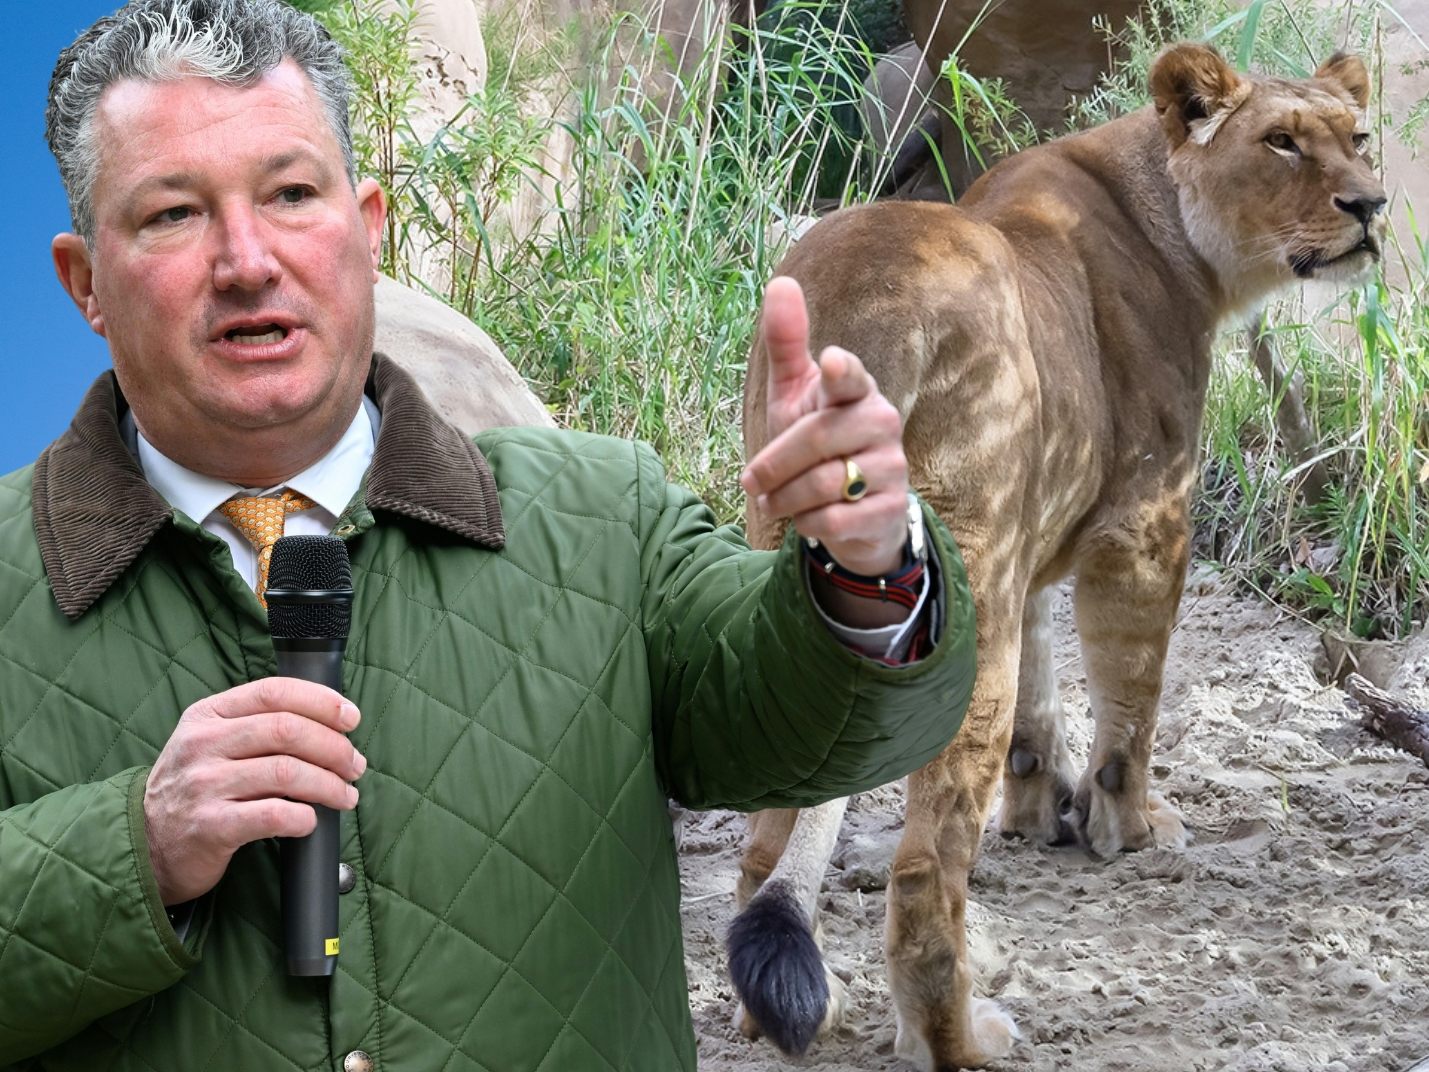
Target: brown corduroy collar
{"x":94,"y":511}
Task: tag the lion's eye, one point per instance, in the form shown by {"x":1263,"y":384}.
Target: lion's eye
{"x":1361,"y":142}
{"x":1282,"y":142}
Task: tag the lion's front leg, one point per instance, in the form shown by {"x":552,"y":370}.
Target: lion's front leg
{"x":1128,"y":588}
{"x":1039,"y":781}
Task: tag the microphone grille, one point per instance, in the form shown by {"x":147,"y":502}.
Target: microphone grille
{"x":310,"y":564}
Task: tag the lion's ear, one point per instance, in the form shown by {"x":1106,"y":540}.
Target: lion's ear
{"x":1350,"y":74}
{"x":1190,"y":84}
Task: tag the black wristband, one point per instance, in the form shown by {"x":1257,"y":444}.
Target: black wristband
{"x":904,"y":585}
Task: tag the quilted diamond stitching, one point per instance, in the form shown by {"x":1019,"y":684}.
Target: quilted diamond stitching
{"x":478,"y":727}
{"x":207,"y":628}
{"x":235,"y":1024}
{"x":473,"y":716}
{"x":35,"y":582}
{"x":650,"y":1005}
{"x":611,"y":951}
{"x":509,"y":965}
{"x":51,"y":853}
{"x":496,"y":839}
{"x":89,"y":972}
{"x":520,"y":653}
{"x":236,"y":1019}
{"x":560,"y":894}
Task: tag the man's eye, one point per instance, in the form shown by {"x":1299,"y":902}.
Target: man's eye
{"x":177,"y":214}
{"x":1278,"y":139}
{"x":294,"y":195}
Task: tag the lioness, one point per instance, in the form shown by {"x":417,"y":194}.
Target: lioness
{"x":1048,"y":343}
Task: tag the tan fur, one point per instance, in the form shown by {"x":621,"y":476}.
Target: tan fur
{"x":1048,"y":342}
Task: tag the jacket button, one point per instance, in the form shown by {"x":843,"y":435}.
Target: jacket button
{"x":357,"y":1061}
{"x":346,"y":878}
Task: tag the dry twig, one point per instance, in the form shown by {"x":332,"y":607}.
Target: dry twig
{"x":1399,"y":723}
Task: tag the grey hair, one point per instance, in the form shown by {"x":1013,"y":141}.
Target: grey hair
{"x":234,"y":42}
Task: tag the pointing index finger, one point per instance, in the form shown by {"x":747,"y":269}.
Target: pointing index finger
{"x":843,"y":378}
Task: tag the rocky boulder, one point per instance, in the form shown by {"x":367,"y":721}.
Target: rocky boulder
{"x":460,"y":369}
{"x":1046,"y":54}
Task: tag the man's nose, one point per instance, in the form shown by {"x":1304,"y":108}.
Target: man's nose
{"x":245,"y":259}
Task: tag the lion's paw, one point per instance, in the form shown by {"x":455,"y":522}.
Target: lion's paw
{"x":1114,"y":822}
{"x":838,"y":1003}
{"x":992,"y":1037}
{"x":745,"y":1024}
{"x":994,"y":1030}
{"x":1168,"y":826}
{"x":1037,"y":800}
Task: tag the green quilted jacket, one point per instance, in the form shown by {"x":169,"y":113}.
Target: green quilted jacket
{"x":548,"y":640}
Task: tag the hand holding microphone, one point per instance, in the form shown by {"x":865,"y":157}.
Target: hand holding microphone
{"x":246,"y":764}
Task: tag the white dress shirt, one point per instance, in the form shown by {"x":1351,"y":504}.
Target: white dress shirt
{"x":330,"y":482}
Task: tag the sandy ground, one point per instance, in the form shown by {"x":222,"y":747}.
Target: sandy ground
{"x":1292,"y":935}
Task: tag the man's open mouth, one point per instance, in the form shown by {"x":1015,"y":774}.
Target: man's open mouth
{"x":257,"y":334}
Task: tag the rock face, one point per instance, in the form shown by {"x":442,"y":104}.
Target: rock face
{"x":1405,"y":82}
{"x":449,"y":52}
{"x":1411,"y":680}
{"x":1045,"y":53}
{"x":447,"y":45}
{"x":458,"y":366}
{"x":894,"y":95}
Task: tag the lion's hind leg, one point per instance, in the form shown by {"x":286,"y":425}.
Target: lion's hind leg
{"x":941,"y":1025}
{"x":786,"y":991}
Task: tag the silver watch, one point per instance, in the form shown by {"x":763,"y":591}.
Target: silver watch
{"x":917,"y":531}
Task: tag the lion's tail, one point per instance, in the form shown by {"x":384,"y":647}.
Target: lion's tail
{"x":774,"y":958}
{"x":777,"y":968}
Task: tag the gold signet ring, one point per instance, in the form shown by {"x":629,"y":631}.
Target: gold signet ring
{"x":855,"y":483}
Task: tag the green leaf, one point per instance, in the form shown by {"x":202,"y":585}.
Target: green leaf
{"x":1247,"y":35}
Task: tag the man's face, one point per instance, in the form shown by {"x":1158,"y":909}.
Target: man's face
{"x":231,"y":270}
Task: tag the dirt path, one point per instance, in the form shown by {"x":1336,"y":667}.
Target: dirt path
{"x":1293,"y":935}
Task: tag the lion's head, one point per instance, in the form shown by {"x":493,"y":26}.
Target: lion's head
{"x":1273,"y":175}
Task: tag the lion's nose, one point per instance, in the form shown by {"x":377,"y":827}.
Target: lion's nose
{"x":1361,"y":208}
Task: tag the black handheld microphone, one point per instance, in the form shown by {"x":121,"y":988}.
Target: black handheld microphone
{"x":309,"y":612}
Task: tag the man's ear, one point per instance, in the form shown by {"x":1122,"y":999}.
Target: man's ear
{"x":372,"y":204}
{"x":76,"y":271}
{"x":1192,"y":85}
{"x":1349,"y":74}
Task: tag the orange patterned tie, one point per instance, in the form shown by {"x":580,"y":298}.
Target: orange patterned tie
{"x":260,"y":519}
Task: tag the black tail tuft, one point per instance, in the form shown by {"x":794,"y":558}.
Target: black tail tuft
{"x":777,"y":970}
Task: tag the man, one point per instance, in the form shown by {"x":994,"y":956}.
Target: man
{"x":547,"y":638}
